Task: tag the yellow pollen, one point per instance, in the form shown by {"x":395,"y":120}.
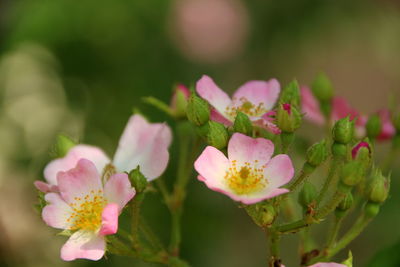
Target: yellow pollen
{"x":246,"y":179}
{"x":87,"y":211}
{"x":245,"y":106}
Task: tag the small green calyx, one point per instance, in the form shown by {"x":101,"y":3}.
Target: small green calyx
{"x":138,"y":180}
{"x":197,"y":111}
{"x":343,"y":131}
{"x":317,"y":153}
{"x":371,"y":209}
{"x":217,"y":135}
{"x":378,"y":188}
{"x":307,"y":195}
{"x":291,"y":94}
{"x":63,"y":145}
{"x":288,"y":118}
{"x":352,"y":173}
{"x":322,"y":88}
{"x":262,"y":213}
{"x":346,"y":203}
{"x":373,"y":126}
{"x":243,"y":124}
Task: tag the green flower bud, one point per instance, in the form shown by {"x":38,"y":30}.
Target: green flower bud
{"x":378,"y":188}
{"x":317,"y":153}
{"x":371,"y":209}
{"x":197,"y":110}
{"x":307,"y":195}
{"x":343,"y":131}
{"x":138,"y":180}
{"x":291,"y":94}
{"x":262,"y":213}
{"x":288,"y":118}
{"x":179,"y":100}
{"x":352,"y":173}
{"x":243,"y":124}
{"x":63,"y":145}
{"x":362,"y":152}
{"x":373,"y":126}
{"x":217,"y":135}
{"x":339,"y":150}
{"x":322,"y":88}
{"x":346,"y":203}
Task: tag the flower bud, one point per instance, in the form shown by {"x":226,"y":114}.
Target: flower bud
{"x":307,"y":195}
{"x":138,"y":180}
{"x":243,"y":124}
{"x":373,"y":126}
{"x":179,"y":100}
{"x":291,"y":94}
{"x":317,"y":153}
{"x":197,"y":110}
{"x":322,"y":88}
{"x":63,"y":145}
{"x":343,"y":131}
{"x":217,"y":135}
{"x":288,"y":118}
{"x":339,"y":150}
{"x":378,"y":188}
{"x":262,"y":213}
{"x":362,"y":153}
{"x":371,"y":209}
{"x":352,"y":173}
{"x":346,"y":203}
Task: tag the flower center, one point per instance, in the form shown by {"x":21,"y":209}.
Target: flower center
{"x":245,"y":106}
{"x":87,"y":211}
{"x":245,"y":179}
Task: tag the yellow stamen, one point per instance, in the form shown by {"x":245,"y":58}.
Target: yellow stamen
{"x":246,"y":107}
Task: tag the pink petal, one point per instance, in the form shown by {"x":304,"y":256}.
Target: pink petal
{"x":118,"y":189}
{"x":388,"y":130}
{"x":45,"y":187}
{"x":341,"y":109}
{"x":208,"y":90}
{"x":83,"y":245}
{"x":212,"y":166}
{"x":57,"y":212}
{"x":259,"y":92}
{"x":92,"y":153}
{"x":310,"y":106}
{"x":279,"y":171}
{"x":109,"y":219}
{"x":80,"y":181}
{"x":246,"y":149}
{"x":262,"y":195}
{"x":143,"y":144}
{"x":268,"y":124}
{"x":218,"y":117}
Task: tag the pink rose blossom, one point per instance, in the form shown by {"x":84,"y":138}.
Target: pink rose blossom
{"x":249,"y":174}
{"x":87,"y":208}
{"x":254,"y":98}
{"x":142,"y":144}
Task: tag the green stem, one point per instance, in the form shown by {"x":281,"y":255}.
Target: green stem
{"x":333,"y":233}
{"x":330,"y":179}
{"x":293,"y":227}
{"x":331,"y":205}
{"x":286,"y":141}
{"x":274,"y":248}
{"x":305,"y":172}
{"x":136,"y":203}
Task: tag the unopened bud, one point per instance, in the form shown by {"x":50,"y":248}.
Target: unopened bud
{"x":288,"y":118}
{"x":217,"y":135}
{"x":362,"y":153}
{"x":138,"y":180}
{"x":243,"y":124}
{"x":179,"y":100}
{"x":317,"y":153}
{"x":307,"y":195}
{"x":197,"y":110}
{"x":378,"y":188}
{"x":63,"y":145}
{"x":262,"y":213}
{"x":339,"y":150}
{"x":373,"y":126}
{"x":352,"y":173}
{"x":346,"y":203}
{"x":343,"y":131}
{"x":291,"y":94}
{"x":371,"y":209}
{"x":322,"y":88}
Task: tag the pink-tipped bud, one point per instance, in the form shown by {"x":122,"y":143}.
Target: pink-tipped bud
{"x":360,"y":149}
{"x":288,"y":118}
{"x":179,"y":100}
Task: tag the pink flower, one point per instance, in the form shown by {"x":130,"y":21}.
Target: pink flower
{"x":249,"y":174}
{"x":87,"y":208}
{"x":355,"y":150}
{"x":180,"y":88}
{"x":254,"y":98}
{"x":142,"y":144}
{"x":327,"y":264}
{"x":387,"y":129}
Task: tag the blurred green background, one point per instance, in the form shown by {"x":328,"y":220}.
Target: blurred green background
{"x":80,"y":67}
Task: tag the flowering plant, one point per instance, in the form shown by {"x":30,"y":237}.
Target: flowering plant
{"x":249,"y":156}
